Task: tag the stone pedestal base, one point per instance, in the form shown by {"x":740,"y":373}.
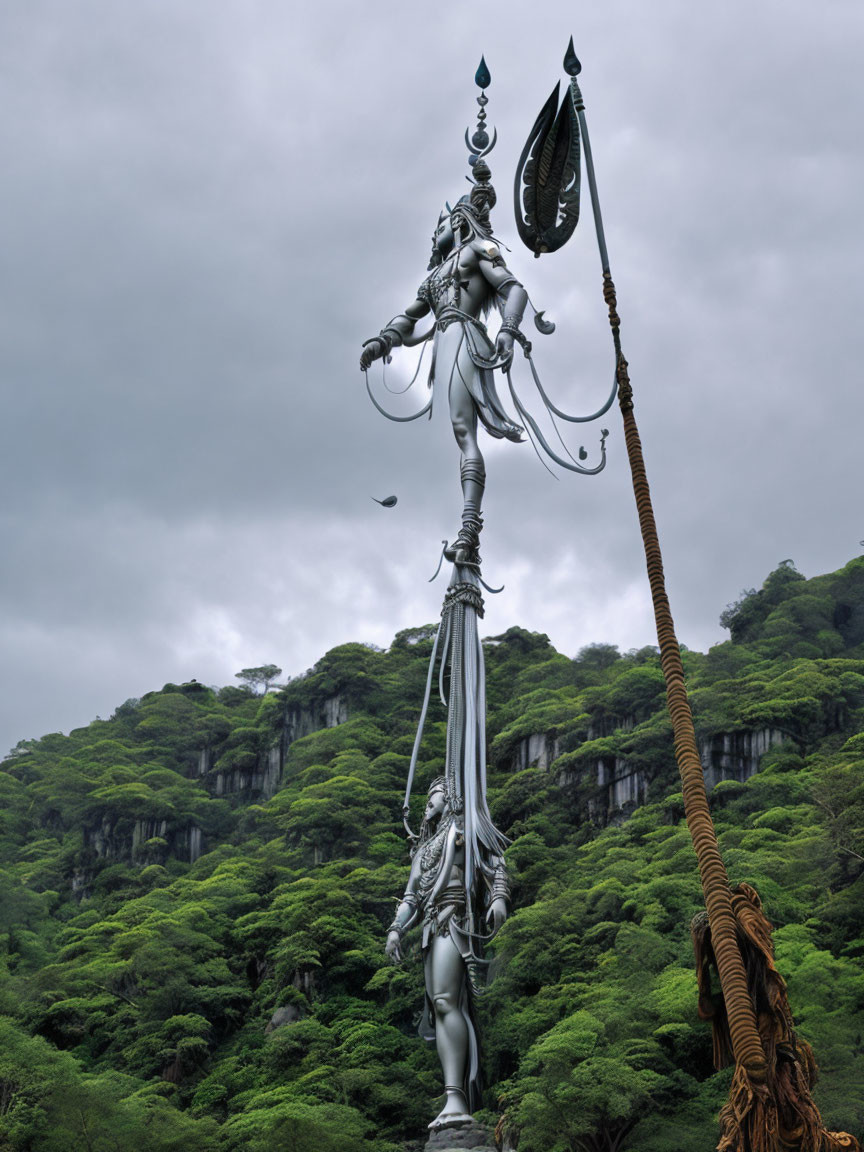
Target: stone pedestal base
{"x":471,"y":1137}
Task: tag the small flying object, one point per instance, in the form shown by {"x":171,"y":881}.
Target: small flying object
{"x":387,"y":502}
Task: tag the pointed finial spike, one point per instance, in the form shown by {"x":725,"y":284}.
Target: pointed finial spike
{"x":482,"y":77}
{"x":571,"y":61}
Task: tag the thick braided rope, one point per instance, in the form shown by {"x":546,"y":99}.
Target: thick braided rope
{"x":715,"y":883}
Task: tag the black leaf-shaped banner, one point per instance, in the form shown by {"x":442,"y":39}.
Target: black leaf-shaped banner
{"x":546,"y":191}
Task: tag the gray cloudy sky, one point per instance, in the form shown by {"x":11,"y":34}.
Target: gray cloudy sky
{"x":208,"y":207}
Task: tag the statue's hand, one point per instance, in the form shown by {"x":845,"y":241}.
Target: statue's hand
{"x":374,"y":350}
{"x":504,"y":347}
{"x":393,"y":949}
{"x":497,"y":914}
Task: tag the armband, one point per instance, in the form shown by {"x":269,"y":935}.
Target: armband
{"x":409,"y":901}
{"x":500,"y":886}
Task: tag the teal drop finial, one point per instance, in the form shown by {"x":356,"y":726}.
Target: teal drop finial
{"x":571,"y":61}
{"x":482,"y":77}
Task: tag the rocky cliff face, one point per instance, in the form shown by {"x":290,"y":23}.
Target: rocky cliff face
{"x":623,"y":784}
{"x":152,"y":841}
{"x":539,"y":750}
{"x":140,"y":843}
{"x":736,"y":755}
{"x":327,"y":713}
{"x":259,"y":782}
{"x":259,"y":779}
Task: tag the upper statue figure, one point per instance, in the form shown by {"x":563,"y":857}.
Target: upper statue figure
{"x":467,"y":275}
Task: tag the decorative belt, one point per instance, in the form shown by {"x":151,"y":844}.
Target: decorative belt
{"x":451,"y":313}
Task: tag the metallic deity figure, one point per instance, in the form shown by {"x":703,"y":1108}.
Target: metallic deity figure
{"x":467,"y":275}
{"x":457,"y":888}
{"x":435,"y":897}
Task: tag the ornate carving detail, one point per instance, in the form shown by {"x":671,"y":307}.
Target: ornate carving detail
{"x":464,"y":594}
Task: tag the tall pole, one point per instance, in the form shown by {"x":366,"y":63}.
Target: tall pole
{"x":746,"y":1043}
{"x":769,"y":1109}
{"x":547,"y":211}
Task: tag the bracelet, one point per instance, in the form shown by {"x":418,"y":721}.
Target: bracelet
{"x":397,"y":928}
{"x":383,"y":339}
{"x":500,"y":887}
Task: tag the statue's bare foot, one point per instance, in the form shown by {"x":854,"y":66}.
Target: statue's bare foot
{"x":454,"y":1112}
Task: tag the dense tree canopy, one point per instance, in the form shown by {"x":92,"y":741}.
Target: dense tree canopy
{"x":192,"y":943}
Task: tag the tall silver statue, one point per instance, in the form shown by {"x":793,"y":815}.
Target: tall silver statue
{"x":458,"y":888}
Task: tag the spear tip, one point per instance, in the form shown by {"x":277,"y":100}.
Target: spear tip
{"x":571,"y":61}
{"x":483,"y":77}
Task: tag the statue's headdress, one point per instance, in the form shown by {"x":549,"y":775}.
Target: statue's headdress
{"x":478,"y":203}
{"x":474,"y":207}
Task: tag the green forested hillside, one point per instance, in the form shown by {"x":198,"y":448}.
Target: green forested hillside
{"x":194,"y":895}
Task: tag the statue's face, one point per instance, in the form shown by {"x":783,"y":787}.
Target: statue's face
{"x":443,"y":238}
{"x":435,"y":804}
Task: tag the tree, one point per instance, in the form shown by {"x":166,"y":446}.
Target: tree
{"x":265,"y":675}
{"x":746,"y":615}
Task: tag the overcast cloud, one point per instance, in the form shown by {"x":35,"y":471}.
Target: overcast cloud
{"x":208,"y":207}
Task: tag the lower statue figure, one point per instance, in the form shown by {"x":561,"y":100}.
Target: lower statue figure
{"x":435,"y":897}
{"x":457,"y":890}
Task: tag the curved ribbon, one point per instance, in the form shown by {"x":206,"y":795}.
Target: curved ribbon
{"x":553,"y":455}
{"x":406,"y":804}
{"x":563,"y":415}
{"x":412,"y":381}
{"x":434,"y":575}
{"x":494,"y":591}
{"x":389,"y":415}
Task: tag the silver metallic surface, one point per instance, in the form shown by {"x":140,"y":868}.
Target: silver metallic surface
{"x":467,"y":276}
{"x":458,"y":889}
{"x":458,"y":892}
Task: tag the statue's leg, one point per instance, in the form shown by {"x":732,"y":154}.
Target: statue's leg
{"x":463,"y":416}
{"x":445,"y":983}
